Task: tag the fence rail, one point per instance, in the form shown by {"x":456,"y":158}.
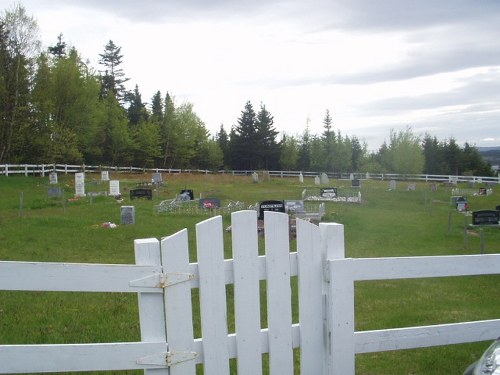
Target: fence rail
{"x":163,"y":278}
{"x":43,"y":169}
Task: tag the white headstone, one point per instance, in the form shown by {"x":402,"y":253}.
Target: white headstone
{"x":53,"y":178}
{"x":301,"y":178}
{"x":316,"y":180}
{"x":157,"y":178}
{"x":255,"y":177}
{"x":392,"y":185}
{"x":105,"y":176}
{"x":324,"y":179}
{"x":80,"y":184}
{"x":114,"y":188}
{"x":367,"y":175}
{"x":351,"y":176}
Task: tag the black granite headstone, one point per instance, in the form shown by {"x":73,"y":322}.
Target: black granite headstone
{"x":485,"y":217}
{"x":141,"y":193}
{"x":276,"y":206}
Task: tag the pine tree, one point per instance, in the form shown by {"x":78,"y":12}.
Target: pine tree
{"x":113,"y":78}
{"x":59,"y":50}
{"x":244,"y":141}
{"x":268,"y":150}
{"x":136,"y":111}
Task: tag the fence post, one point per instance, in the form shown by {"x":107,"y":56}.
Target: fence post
{"x":332,"y":247}
{"x":151,"y":310}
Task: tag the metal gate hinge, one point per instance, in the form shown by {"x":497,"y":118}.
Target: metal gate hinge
{"x":178,"y":357}
{"x":162,"y":280}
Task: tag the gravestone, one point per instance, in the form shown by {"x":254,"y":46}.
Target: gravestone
{"x":79,"y":184}
{"x":316,"y":180}
{"x":462,"y":204}
{"x":54,"y":192}
{"x":255,"y":178}
{"x":433,"y":186}
{"x":412,"y":187}
{"x":497,"y":208}
{"x":53,"y":178}
{"x":301,"y":178}
{"x":356,"y":183}
{"x":104,"y":176}
{"x":351,"y":176}
{"x":128,"y":215}
{"x":324,"y":179}
{"x":392,"y":185}
{"x":482,"y":191}
{"x":114,"y":188}
{"x":186,"y":195}
{"x":157,"y":178}
{"x":209,"y":203}
{"x":294,"y":206}
{"x":367,"y":176}
{"x":276,"y":206}
{"x":328,"y":193}
{"x":141,"y":193}
{"x":486,"y":217}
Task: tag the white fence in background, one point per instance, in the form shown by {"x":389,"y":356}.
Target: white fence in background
{"x":43,"y":169}
{"x":163,"y":277}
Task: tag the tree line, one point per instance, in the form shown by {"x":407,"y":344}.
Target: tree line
{"x":56,"y":108}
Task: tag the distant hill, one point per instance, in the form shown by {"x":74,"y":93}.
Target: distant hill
{"x":490,"y":154}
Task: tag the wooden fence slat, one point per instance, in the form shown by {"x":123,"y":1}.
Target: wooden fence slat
{"x":423,"y":337}
{"x":210,"y":247}
{"x":310,"y":269}
{"x":17,"y":359}
{"x":67,"y":277}
{"x":151,"y":311}
{"x":246,"y":292}
{"x":279,"y":310}
{"x":178,"y":306}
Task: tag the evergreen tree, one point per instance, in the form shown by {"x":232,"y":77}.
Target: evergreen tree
{"x":113,"y":78}
{"x":223,"y":141}
{"x":59,"y":50}
{"x":305,"y":150}
{"x":328,"y":142}
{"x":136,"y":111}
{"x":289,"y":153}
{"x":244,"y":141}
{"x":157,"y":108}
{"x":268,"y":150}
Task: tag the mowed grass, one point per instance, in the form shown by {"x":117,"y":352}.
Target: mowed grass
{"x":34,"y":227}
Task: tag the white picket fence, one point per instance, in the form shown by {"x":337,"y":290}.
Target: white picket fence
{"x":163,"y":277}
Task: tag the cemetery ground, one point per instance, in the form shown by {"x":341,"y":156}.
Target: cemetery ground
{"x":35,"y":227}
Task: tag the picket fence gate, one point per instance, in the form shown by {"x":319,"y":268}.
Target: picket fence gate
{"x":163,"y":278}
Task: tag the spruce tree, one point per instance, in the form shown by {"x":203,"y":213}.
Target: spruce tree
{"x":113,"y":78}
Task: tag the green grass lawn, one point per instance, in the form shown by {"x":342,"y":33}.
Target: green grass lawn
{"x":34,"y":227}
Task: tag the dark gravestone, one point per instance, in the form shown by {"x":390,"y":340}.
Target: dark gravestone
{"x":141,"y":193}
{"x":485,"y":217}
{"x":209,"y":203}
{"x":482,"y":191}
{"x":356,"y":183}
{"x":329,"y":193}
{"x":497,"y":208}
{"x":128,"y":215}
{"x":276,"y":206}
{"x":186,"y":195}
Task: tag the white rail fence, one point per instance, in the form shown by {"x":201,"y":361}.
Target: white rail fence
{"x":163,"y":277}
{"x":43,"y":169}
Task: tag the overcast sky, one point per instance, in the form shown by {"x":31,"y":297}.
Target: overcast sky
{"x":379,"y":65}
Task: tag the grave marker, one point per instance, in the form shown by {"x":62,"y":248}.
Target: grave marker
{"x":141,"y":193}
{"x":128,"y":215}
{"x":301,"y":178}
{"x":329,"y":193}
{"x":316,"y":180}
{"x":486,"y":217}
{"x":392,"y":185}
{"x":356,"y":183}
{"x":294,"y":206}
{"x":114,"y":188}
{"x":54,"y":192}
{"x":324,"y":179}
{"x":186,"y":195}
{"x":104,"y":176}
{"x":53,"y":178}
{"x":412,"y":187}
{"x":255,"y":178}
{"x":462,"y":204}
{"x":79,"y":184}
{"x":276,"y":206}
{"x":157,"y":178}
